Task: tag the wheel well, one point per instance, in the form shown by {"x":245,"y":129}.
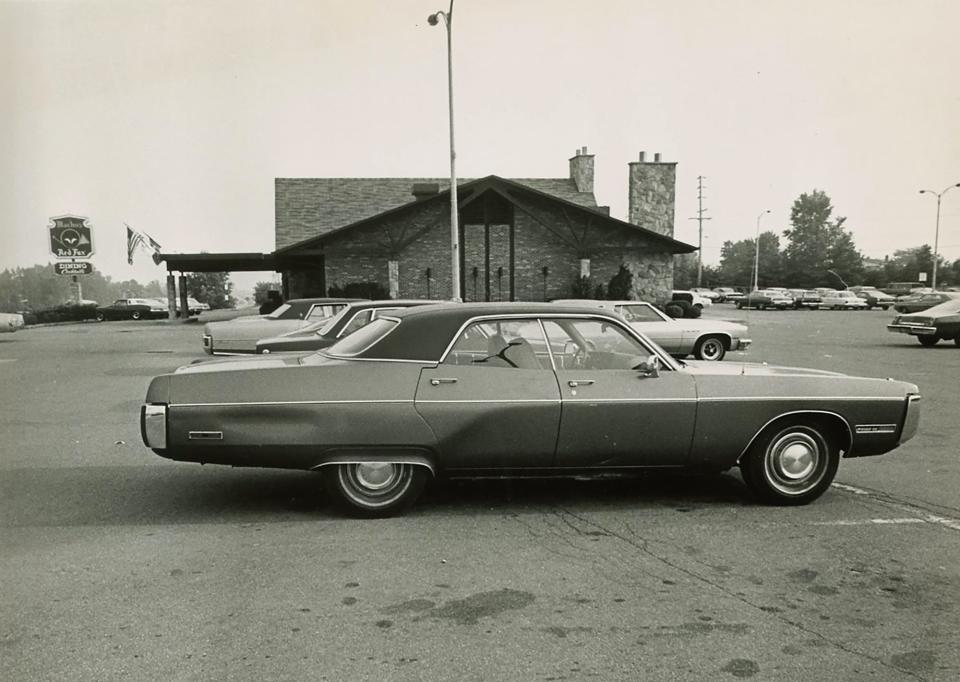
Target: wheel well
{"x":416,"y":457}
{"x":726,"y":338}
{"x":833,"y":424}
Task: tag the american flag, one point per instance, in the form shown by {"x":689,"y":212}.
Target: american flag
{"x":137,"y":239}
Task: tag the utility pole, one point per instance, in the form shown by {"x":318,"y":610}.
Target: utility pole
{"x":700,"y":211}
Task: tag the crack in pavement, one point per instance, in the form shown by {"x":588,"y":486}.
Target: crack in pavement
{"x":644,"y":548}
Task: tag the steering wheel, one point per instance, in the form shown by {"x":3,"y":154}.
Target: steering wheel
{"x":578,"y":354}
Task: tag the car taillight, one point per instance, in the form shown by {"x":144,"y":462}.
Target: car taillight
{"x":153,"y":426}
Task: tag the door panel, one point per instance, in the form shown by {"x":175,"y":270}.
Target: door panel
{"x":621,"y":418}
{"x":491,"y":416}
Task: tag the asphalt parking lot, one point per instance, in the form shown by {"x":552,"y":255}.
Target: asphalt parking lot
{"x":118,"y":564}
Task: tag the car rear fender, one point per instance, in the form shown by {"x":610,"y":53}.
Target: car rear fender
{"x":422,"y":457}
{"x":835,"y":424}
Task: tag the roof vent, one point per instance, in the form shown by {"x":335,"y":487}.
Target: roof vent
{"x":422,"y":190}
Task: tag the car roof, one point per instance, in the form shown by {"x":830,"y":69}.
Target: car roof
{"x":425,"y":331}
{"x":311,"y":301}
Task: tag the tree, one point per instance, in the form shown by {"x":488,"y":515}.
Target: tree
{"x":214,"y":288}
{"x":38,"y":287}
{"x":260,"y":291}
{"x":685,"y":273}
{"x":737,"y":262}
{"x":818,"y":243}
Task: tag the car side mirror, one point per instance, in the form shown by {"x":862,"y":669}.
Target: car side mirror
{"x":649,"y":367}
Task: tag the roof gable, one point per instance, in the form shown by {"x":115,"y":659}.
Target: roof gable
{"x":310,"y":207}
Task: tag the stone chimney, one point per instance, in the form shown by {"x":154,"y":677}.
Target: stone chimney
{"x":652,"y":194}
{"x":581,"y":170}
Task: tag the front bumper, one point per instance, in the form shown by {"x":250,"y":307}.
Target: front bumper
{"x":208,"y":344}
{"x":740,"y":344}
{"x":914,"y":329}
{"x":912,"y":419}
{"x":153,"y":426}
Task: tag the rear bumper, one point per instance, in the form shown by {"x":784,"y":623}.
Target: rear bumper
{"x":914,"y":329}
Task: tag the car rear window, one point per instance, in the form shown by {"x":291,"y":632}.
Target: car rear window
{"x":363,"y":338}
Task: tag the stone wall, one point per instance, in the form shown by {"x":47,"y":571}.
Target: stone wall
{"x":652,"y":194}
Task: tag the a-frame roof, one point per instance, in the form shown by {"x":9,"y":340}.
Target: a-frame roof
{"x":502,"y":186}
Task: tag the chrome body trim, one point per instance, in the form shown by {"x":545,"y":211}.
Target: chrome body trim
{"x":205,"y":435}
{"x":869,"y":429}
{"x":795,"y":412}
{"x":276,"y":403}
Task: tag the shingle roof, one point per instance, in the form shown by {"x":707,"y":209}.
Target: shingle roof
{"x":310,"y":207}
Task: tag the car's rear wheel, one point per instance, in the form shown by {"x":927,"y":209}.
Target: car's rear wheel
{"x":135,"y":315}
{"x":101,"y":317}
{"x":711,"y":348}
{"x":375,"y":489}
{"x":739,"y":305}
{"x":792,"y":464}
{"x":956,"y":340}
{"x":928,"y":340}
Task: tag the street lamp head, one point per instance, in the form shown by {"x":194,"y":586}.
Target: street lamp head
{"x":925,"y":191}
{"x":434,"y":18}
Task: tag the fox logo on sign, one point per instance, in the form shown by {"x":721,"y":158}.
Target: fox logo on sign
{"x":70,"y":237}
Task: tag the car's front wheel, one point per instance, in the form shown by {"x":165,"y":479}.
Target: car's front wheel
{"x":135,"y":315}
{"x":101,"y":317}
{"x":710,"y":348}
{"x":375,"y":489}
{"x":928,"y":340}
{"x":791,"y":465}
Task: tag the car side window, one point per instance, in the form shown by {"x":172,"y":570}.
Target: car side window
{"x":359,"y":320}
{"x":593,"y":344}
{"x":509,"y":343}
{"x":638,"y":313}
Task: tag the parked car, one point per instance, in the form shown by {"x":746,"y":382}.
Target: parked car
{"x":326,"y":332}
{"x":705,"y":339}
{"x":765,"y":298}
{"x":509,"y":389}
{"x":729,"y":294}
{"x":240,"y":335}
{"x":897,"y":289}
{"x":696,"y":300}
{"x":939,"y":322}
{"x":132,"y":309}
{"x":914,"y":304}
{"x":10,"y":322}
{"x":805,"y":299}
{"x":708,"y":294}
{"x":843,"y":300}
{"x":874,"y":297}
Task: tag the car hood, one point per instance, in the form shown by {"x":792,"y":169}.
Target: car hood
{"x":240,"y":364}
{"x":703,"y":368}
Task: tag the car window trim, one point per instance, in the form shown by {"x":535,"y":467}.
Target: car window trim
{"x":665,"y":359}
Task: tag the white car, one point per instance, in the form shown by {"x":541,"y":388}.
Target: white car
{"x":843,"y":300}
{"x":710,"y":294}
{"x":10,"y":322}
{"x":702,"y":338}
{"x":696,"y":299}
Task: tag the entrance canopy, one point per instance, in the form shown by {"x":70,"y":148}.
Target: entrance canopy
{"x":218,"y":262}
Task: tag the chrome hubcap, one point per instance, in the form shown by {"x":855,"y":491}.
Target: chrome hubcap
{"x":376,"y":475}
{"x":795,"y":462}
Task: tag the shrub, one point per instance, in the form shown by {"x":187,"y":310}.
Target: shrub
{"x":583,"y":287}
{"x":620,"y":284}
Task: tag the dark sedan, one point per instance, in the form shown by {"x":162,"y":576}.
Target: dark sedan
{"x":519,"y":389}
{"x":327,"y":332}
{"x":132,"y":309}
{"x":941,"y":322}
{"x":914,"y":304}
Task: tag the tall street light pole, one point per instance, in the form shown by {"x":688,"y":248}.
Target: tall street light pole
{"x":936,"y":234}
{"x":756,"y":257}
{"x":433,"y":20}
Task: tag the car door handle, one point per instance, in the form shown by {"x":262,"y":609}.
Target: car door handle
{"x":439,"y":380}
{"x":579,"y":382}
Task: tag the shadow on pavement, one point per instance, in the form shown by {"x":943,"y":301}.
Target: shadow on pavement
{"x":94,"y":496}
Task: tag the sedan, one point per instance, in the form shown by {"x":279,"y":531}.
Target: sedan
{"x":518,"y":389}
{"x":704,"y":339}
{"x":132,"y":309}
{"x":766,"y":298}
{"x":874,"y":297}
{"x":914,"y":304}
{"x":843,"y":300}
{"x":326,"y":332}
{"x":240,"y":335}
{"x":931,"y":325}
{"x":10,"y":322}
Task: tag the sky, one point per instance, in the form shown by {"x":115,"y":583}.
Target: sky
{"x":175,"y":116}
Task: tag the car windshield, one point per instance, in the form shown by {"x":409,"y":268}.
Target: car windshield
{"x":363,"y":338}
{"x":640,"y":313}
{"x":332,"y":322}
{"x":275,"y":315}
